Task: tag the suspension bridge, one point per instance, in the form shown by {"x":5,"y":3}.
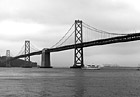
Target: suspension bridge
{"x":79,"y":36}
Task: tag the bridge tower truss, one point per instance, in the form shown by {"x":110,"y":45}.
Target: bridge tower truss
{"x":27,"y":50}
{"x":7,"y":58}
{"x":78,"y":52}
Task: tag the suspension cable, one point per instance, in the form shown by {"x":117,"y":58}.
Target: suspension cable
{"x":66,"y":39}
{"x":100,"y":31}
{"x":63,"y":36}
{"x":21,"y":50}
{"x":34,"y":48}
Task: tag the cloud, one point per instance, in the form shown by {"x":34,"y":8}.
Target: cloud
{"x":121,"y":13}
{"x":44,"y":22}
{"x":15,"y":29}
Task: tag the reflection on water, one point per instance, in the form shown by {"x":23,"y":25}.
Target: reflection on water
{"x":35,"y":82}
{"x":79,"y":83}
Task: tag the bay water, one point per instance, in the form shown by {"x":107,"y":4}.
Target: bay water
{"x":65,"y":82}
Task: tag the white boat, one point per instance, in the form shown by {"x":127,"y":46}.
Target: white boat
{"x":94,"y":67}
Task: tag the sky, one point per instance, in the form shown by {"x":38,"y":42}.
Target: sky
{"x":44,"y":22}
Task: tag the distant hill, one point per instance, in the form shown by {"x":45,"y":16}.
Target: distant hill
{"x":16,"y":63}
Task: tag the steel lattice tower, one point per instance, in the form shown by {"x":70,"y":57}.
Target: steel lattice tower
{"x":78,"y":54}
{"x":27,"y":50}
{"x":7,"y":58}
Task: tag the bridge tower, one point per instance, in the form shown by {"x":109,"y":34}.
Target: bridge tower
{"x":27,"y":51}
{"x":7,"y":58}
{"x":78,"y":52}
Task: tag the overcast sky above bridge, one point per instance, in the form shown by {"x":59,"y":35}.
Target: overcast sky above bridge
{"x":44,"y":22}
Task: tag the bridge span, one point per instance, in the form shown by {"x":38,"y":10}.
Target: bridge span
{"x":78,"y":45}
{"x":79,"y":59}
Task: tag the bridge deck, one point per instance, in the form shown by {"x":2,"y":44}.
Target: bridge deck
{"x":126,"y":38}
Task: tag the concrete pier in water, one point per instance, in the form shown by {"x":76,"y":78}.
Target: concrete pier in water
{"x":45,"y":60}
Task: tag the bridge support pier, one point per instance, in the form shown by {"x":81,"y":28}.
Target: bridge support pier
{"x":45,"y":61}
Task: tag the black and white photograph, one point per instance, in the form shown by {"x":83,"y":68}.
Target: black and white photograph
{"x":69,"y":48}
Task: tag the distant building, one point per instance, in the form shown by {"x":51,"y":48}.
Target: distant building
{"x":16,"y":63}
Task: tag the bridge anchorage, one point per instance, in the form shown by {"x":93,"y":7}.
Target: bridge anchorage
{"x":45,"y":60}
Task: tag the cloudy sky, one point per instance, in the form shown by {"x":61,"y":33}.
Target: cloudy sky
{"x":44,"y":22}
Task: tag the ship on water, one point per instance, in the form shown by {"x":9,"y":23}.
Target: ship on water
{"x":94,"y":67}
